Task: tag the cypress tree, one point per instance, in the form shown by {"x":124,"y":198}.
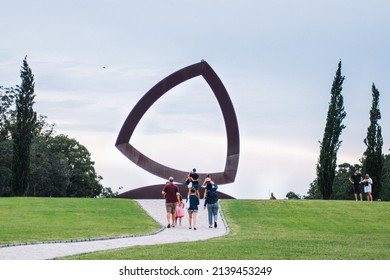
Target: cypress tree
{"x":326,"y":167}
{"x":373,"y":157}
{"x":23,"y":130}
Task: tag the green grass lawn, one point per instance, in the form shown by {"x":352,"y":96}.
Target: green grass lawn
{"x":26,"y":219}
{"x":259,"y":229}
{"x":283,"y":230}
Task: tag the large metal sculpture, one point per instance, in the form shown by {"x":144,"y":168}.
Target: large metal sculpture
{"x":233,"y":144}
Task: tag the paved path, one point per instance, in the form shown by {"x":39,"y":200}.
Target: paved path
{"x":155,"y":208}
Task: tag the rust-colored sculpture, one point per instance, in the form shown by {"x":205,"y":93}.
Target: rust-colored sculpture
{"x":199,"y":69}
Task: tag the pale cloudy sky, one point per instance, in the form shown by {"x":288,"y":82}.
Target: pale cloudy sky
{"x":277,"y":59}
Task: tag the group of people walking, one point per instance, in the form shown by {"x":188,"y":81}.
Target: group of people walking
{"x":175,"y":205}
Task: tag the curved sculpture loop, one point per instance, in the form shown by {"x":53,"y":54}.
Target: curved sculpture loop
{"x":233,"y":146}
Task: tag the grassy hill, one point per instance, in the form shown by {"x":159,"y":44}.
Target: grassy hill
{"x":284,"y":230}
{"x":259,"y":229}
{"x":27,"y":219}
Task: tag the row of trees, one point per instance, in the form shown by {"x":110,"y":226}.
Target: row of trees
{"x":342,"y":187}
{"x":34,"y":161}
{"x":332,"y":182}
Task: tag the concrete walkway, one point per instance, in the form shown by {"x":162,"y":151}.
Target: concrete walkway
{"x":155,"y":208}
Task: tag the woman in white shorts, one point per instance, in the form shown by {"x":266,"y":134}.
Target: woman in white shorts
{"x":367,"y":183}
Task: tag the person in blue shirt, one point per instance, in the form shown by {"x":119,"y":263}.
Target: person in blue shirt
{"x":212,"y":203}
{"x":193,"y":208}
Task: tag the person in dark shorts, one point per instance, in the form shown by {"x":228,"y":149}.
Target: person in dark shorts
{"x":192,"y":209}
{"x":172,"y":197}
{"x":356,"y":180}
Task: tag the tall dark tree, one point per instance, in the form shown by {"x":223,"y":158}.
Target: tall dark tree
{"x":23,"y":130}
{"x":385,"y":192}
{"x":373,"y":157}
{"x":330,"y":144}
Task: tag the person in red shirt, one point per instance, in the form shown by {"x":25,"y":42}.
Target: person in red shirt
{"x":172,"y":197}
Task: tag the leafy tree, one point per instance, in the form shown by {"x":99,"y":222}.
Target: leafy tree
{"x":42,"y":128}
{"x":50,"y":174}
{"x":5,"y":167}
{"x":314,"y":191}
{"x":22,"y":132}
{"x":342,"y":187}
{"x":373,"y":157}
{"x":34,"y":162}
{"x":292,"y":195}
{"x":108,"y":193}
{"x":7,"y":96}
{"x":330,"y":144}
{"x":62,"y":167}
{"x":82,"y":175}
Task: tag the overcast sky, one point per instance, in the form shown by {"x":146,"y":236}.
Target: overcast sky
{"x":94,"y":60}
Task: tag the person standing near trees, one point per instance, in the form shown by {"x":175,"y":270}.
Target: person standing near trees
{"x":367,"y":183}
{"x":356,"y":180}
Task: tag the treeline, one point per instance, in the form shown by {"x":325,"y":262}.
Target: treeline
{"x":342,"y":188}
{"x":33,"y":160}
{"x":332,"y":180}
